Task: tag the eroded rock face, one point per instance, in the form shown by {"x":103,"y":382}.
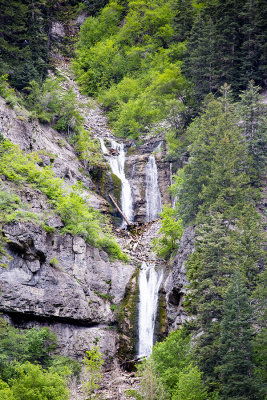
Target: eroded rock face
{"x":136,"y":173}
{"x":52,"y":148}
{"x":175,"y":284}
{"x":64,"y":282}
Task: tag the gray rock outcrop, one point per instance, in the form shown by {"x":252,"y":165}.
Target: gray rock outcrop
{"x":63,"y":282}
{"x":136,"y":173}
{"x":175,"y":284}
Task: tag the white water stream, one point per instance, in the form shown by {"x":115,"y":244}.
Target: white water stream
{"x":117,"y":162}
{"x":149,"y":279}
{"x":149,"y":284}
{"x":153,"y":197}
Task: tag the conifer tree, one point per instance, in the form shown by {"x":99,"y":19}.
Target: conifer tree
{"x":206,"y":133}
{"x":201,"y":64}
{"x":13,"y":44}
{"x":216,"y":194}
{"x":183,"y":18}
{"x":254,"y":125}
{"x":235,"y":344}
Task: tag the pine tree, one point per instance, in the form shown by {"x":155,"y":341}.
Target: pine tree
{"x":13,"y":43}
{"x":254,"y":38}
{"x":235,"y":344}
{"x":208,"y":271}
{"x":183,"y":18}
{"x":229,"y":40}
{"x":200,"y":64}
{"x":254,"y":125}
{"x":217,"y":195}
{"x":206,"y":133}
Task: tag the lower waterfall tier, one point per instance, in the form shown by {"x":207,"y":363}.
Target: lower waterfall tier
{"x":149,"y":284}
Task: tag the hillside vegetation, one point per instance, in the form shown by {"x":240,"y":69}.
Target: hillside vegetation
{"x":152,"y":60}
{"x":193,"y":70}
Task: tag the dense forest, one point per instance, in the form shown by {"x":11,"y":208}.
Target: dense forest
{"x":194,"y":70}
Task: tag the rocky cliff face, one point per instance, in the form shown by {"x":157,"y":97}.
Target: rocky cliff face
{"x":62,"y":282}
{"x":175,"y":284}
{"x":136,"y":173}
{"x":59,"y":280}
{"x":65,"y":283}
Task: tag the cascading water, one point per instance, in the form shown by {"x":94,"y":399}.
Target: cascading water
{"x":117,"y":162}
{"x":153,"y":197}
{"x":149,"y":284}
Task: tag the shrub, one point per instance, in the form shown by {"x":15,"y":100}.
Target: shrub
{"x":34,"y":383}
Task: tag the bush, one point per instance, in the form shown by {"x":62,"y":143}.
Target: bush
{"x":50,"y":103}
{"x":34,"y":383}
{"x":88,"y":148}
{"x":170,"y":233}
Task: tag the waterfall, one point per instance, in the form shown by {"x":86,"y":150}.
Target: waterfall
{"x":117,"y":163}
{"x":153,"y":197}
{"x":149,"y":284}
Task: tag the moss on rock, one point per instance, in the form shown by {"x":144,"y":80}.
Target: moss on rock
{"x":128,"y":320}
{"x":116,"y":187}
{"x":161,"y":330}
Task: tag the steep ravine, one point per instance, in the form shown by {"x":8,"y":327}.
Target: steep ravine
{"x":86,"y":298}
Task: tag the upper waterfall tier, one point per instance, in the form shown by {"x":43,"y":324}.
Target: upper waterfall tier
{"x":149,"y":284}
{"x":153,"y":197}
{"x":116,"y":161}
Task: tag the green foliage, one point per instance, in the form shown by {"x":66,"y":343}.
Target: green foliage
{"x":93,"y":362}
{"x":169,"y":372}
{"x":151,"y":385}
{"x":33,"y":345}
{"x":34,"y":383}
{"x":254,"y":121}
{"x":23,"y":355}
{"x":65,"y":366}
{"x":170,"y":233}
{"x":134,"y":67}
{"x":88,"y":148}
{"x":215,"y":192}
{"x":226,"y":44}
{"x":54,"y":262}
{"x":217,"y":174}
{"x":170,"y":358}
{"x":94,"y":30}
{"x":51,"y":103}
{"x":190,"y":385}
{"x":11,"y":209}
{"x":5,"y":391}
{"x":79,"y":218}
{"x":26,"y":37}
{"x":7,"y":92}
{"x":235,"y":345}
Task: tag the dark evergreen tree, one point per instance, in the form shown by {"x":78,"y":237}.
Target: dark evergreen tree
{"x":208,"y":271}
{"x":260,"y":340}
{"x":201,"y":63}
{"x":229,"y":40}
{"x":183,"y":18}
{"x":94,"y":6}
{"x":235,"y":33}
{"x":217,"y":190}
{"x":13,"y":35}
{"x":235,"y":344}
{"x":254,"y":125}
{"x":208,"y":134}
{"x":253,"y":63}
